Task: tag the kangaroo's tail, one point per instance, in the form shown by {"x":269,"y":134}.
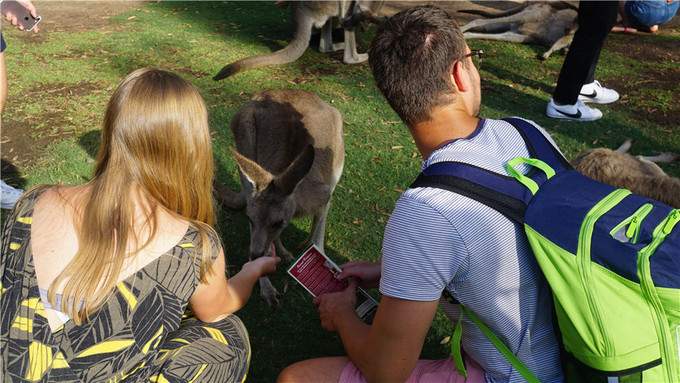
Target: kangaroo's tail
{"x":291,"y":52}
{"x":487,"y":14}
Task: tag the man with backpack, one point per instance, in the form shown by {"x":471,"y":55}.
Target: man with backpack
{"x":441,"y":247}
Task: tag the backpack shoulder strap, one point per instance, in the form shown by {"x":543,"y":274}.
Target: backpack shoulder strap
{"x":538,"y":145}
{"x":498,"y":191}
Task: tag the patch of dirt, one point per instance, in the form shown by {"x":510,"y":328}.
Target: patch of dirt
{"x":658,"y":77}
{"x":21,"y":144}
{"x":78,"y":16}
{"x":24,"y":142}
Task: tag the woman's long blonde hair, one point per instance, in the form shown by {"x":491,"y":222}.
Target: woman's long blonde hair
{"x":155,"y":140}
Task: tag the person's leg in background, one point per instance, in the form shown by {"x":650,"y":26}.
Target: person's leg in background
{"x":3,"y":74}
{"x":8,"y":195}
{"x":647,"y":15}
{"x":577,"y":77}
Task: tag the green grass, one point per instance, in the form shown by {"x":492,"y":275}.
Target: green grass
{"x":62,"y":87}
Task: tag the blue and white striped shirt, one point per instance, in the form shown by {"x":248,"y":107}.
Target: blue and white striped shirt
{"x":436,"y":239}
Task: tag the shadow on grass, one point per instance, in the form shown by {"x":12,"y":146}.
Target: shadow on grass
{"x":11,"y":175}
{"x":251,"y":23}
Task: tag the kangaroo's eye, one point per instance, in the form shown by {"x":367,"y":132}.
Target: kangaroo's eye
{"x":278,"y":224}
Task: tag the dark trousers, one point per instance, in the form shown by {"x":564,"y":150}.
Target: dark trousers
{"x":595,"y":20}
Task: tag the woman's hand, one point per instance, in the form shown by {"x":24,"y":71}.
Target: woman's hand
{"x":264,"y":265}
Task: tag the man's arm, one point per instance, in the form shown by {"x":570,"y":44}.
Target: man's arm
{"x":388,"y":350}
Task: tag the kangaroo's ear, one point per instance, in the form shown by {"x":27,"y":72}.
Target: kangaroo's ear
{"x":291,"y":177}
{"x":257,"y":176}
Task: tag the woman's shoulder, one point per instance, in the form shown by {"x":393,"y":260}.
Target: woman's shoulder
{"x":192,"y":234}
{"x":54,"y":196}
{"x":214,"y":242}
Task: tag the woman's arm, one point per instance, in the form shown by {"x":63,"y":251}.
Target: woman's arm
{"x":216,"y":298}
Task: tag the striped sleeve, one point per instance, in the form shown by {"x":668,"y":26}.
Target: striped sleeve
{"x":419,"y":259}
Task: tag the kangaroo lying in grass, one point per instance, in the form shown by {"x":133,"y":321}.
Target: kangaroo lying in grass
{"x":290,"y":151}
{"x":639,"y":174}
{"x":550,"y":23}
{"x":319,"y":14}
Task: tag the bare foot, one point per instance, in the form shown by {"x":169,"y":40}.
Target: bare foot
{"x":623,"y":29}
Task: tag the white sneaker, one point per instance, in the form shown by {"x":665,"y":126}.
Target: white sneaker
{"x":9,"y":196}
{"x":575,"y":112}
{"x":596,"y":93}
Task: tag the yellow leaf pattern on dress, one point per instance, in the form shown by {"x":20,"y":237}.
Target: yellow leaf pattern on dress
{"x":198,"y":373}
{"x":23,"y":324}
{"x":106,"y":347}
{"x":156,"y":338}
{"x":25,"y":220}
{"x":39,"y":357}
{"x":60,"y":361}
{"x":129,"y":297}
{"x":216,"y":334}
{"x":159,"y":379}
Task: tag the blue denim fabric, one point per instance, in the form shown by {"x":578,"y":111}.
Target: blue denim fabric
{"x":646,"y":13}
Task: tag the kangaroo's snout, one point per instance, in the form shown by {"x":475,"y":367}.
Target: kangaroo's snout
{"x":258,"y":252}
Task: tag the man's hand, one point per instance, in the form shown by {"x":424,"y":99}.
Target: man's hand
{"x":336,"y":307}
{"x":367,"y":272}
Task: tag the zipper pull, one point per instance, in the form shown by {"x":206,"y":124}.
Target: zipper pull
{"x":632,"y":227}
{"x":672,"y":220}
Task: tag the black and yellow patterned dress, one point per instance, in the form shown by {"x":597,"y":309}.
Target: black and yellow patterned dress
{"x":142,"y":333}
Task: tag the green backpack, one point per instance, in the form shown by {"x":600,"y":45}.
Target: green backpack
{"x":612,"y":259}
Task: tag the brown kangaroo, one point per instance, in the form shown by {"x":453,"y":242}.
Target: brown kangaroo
{"x":290,"y":151}
{"x":639,"y":174}
{"x":319,"y":14}
{"x":551,"y":23}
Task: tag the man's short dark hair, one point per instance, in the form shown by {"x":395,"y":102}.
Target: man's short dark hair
{"x":411,"y":58}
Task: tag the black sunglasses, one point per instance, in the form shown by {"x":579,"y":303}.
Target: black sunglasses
{"x":477,"y":53}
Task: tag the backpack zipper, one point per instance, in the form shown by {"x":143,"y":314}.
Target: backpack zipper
{"x":670,"y":364}
{"x":584,"y":262}
{"x":634,"y":223}
{"x":673,"y":220}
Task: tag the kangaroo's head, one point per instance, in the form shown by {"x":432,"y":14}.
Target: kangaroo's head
{"x":272,"y":203}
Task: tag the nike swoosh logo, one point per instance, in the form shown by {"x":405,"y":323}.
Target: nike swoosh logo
{"x":572,"y":115}
{"x":592,"y":95}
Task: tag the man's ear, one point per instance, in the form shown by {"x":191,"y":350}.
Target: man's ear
{"x":459,"y":77}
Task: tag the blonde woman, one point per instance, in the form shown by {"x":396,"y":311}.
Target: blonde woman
{"x":96,"y":278}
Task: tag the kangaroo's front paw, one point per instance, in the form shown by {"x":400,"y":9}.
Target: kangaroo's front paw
{"x":282,"y":252}
{"x":269,"y":293}
{"x":272,"y":298}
